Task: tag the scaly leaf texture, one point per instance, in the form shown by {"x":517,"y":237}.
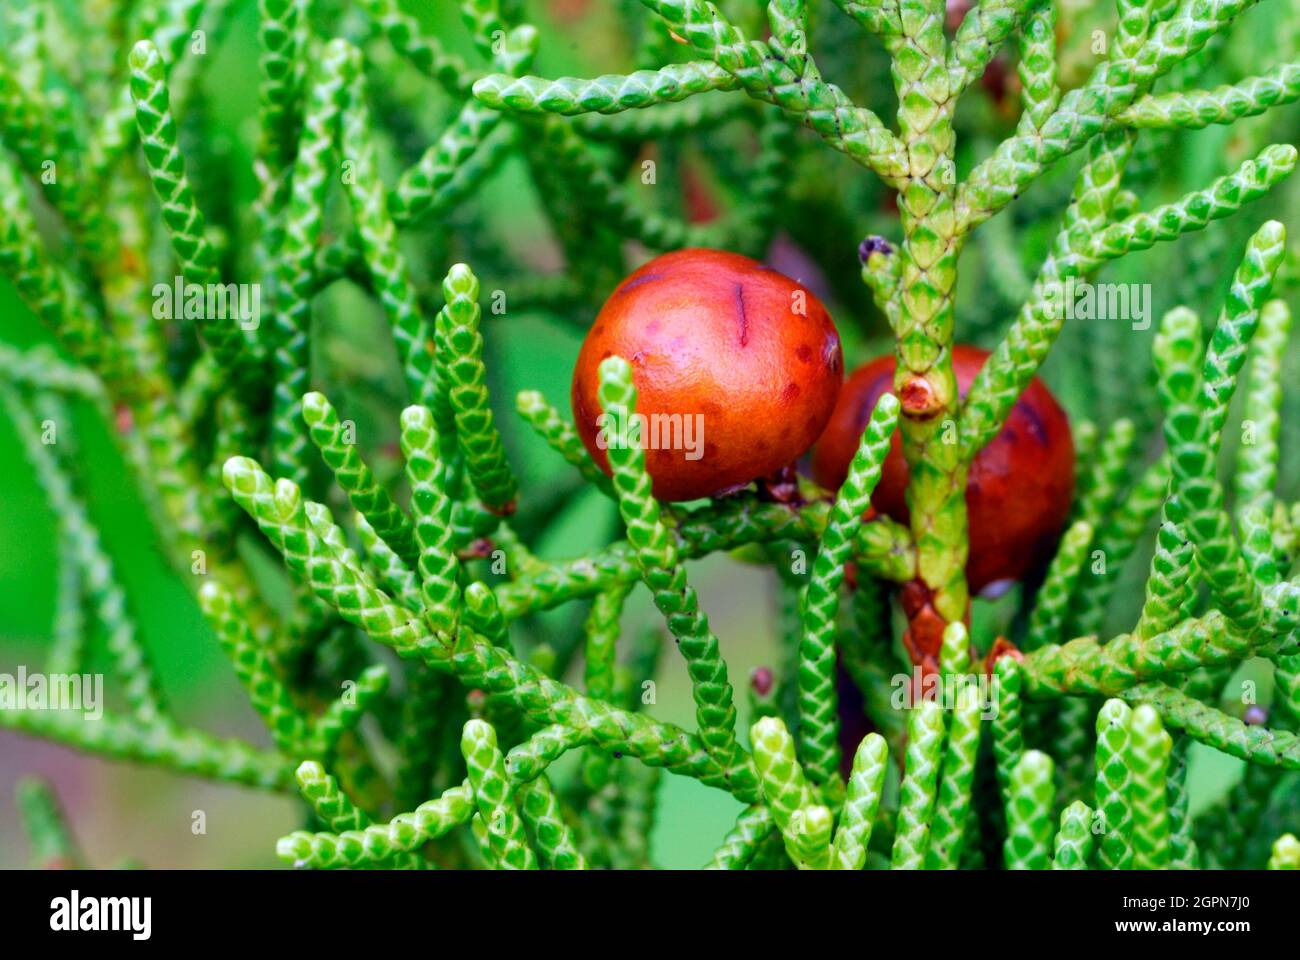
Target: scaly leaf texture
{"x":180,"y":212}
{"x":1031,"y":800}
{"x":1183,"y":852}
{"x":1255,"y":476}
{"x":790,"y":797}
{"x":463,"y":387}
{"x":918,"y":793}
{"x":611,"y":93}
{"x":162,"y":743}
{"x":1008,"y":735}
{"x":1148,"y":758}
{"x":1084,"y":665}
{"x":427,"y":473}
{"x":818,"y":718}
{"x":336,"y":441}
{"x":1114,"y":788}
{"x":560,"y":437}
{"x":1084,"y":244}
{"x":1083,"y":112}
{"x":345,"y":712}
{"x":1192,"y":427}
{"x":295,"y":274}
{"x":751,"y":830}
{"x":426,"y":53}
{"x":1209,"y":725}
{"x":46,"y":290}
{"x":278,"y":509}
{"x":405,"y":833}
{"x":599,"y":662}
{"x":495,"y":798}
{"x":664,"y":574}
{"x":1224,"y":104}
{"x":766,"y":76}
{"x":957,"y":777}
{"x":389,"y":273}
{"x":540,"y":810}
{"x":337,"y":811}
{"x":1039,"y":91}
{"x":861,"y":802}
{"x":1074,"y":839}
{"x":82,"y":266}
{"x":132,"y":662}
{"x":252,"y":664}
{"x":1052,"y":604}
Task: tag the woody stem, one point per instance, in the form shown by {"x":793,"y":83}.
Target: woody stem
{"x":924,"y":376}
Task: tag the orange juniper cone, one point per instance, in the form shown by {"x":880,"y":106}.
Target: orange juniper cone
{"x":737,"y":369}
{"x":1018,"y":493}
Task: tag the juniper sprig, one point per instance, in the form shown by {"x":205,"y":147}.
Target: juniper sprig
{"x":400,"y":620}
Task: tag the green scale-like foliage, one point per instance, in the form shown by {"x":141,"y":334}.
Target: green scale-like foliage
{"x":1080,"y":756}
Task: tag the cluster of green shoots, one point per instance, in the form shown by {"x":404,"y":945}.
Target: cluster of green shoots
{"x":1073,"y":751}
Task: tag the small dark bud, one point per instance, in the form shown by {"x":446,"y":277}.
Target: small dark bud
{"x":761,"y":680}
{"x":874,"y":244}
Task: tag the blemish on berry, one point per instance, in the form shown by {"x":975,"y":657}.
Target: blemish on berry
{"x":639,"y":281}
{"x":741,"y":318}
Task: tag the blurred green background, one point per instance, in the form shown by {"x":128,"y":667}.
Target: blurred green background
{"x":120,"y":810}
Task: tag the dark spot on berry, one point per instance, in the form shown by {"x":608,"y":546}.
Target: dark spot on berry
{"x":633,"y":284}
{"x":790,"y":393}
{"x":741,"y":318}
{"x":804,"y":353}
{"x":1035,"y":423}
